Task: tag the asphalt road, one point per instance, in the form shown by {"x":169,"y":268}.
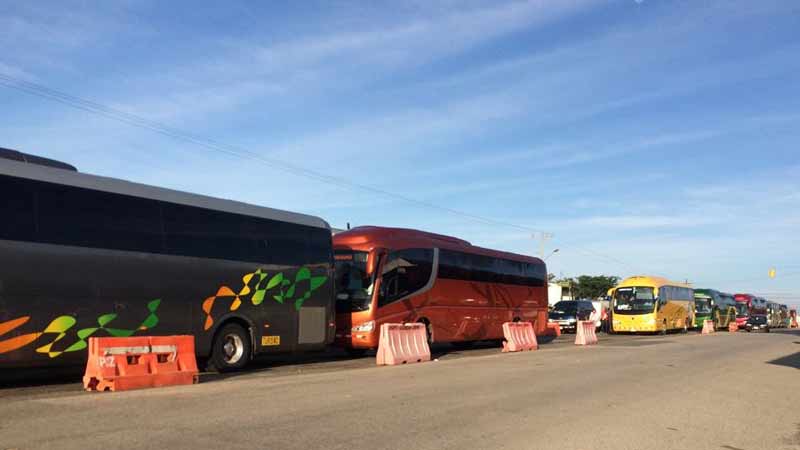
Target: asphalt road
{"x":722,"y":391}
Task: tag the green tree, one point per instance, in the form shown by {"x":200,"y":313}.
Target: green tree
{"x":593,"y":286}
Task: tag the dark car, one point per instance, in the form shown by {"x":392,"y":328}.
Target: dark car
{"x":757,"y":322}
{"x":566,"y":313}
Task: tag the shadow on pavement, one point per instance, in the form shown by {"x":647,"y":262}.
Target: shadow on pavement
{"x":73,"y":374}
{"x":792,"y":360}
{"x":25,"y":378}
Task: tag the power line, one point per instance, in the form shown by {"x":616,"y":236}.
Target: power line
{"x":134,"y":120}
{"x":761,"y":278}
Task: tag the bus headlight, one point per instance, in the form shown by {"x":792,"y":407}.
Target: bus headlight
{"x":366,"y":326}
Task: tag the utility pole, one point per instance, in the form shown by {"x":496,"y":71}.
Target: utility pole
{"x":543,"y":237}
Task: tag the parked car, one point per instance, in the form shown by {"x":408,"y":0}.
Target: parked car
{"x":757,"y":322}
{"x":566,"y":313}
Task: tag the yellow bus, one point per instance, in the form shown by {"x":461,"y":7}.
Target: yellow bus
{"x":651,"y":304}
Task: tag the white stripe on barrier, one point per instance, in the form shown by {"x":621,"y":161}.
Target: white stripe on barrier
{"x":124,"y":350}
{"x":164,"y":349}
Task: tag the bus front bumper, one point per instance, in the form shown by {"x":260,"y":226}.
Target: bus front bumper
{"x":633,"y":324}
{"x":698,"y":320}
{"x":357,"y":339}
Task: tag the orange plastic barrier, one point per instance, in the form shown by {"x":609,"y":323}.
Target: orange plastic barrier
{"x":555,"y":327}
{"x":585,"y":333}
{"x":708,"y":327}
{"x":733,"y":327}
{"x":519,"y":336}
{"x":119,"y":364}
{"x":402,"y":343}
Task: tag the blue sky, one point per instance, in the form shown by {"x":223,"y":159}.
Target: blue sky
{"x":649,"y":136}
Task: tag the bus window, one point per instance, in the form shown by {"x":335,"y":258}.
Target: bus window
{"x":702,"y":305}
{"x":353,"y":282}
{"x":17,"y":210}
{"x":405,"y":272}
{"x":634,"y":300}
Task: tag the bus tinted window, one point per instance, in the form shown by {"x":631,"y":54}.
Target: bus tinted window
{"x":17,"y":209}
{"x":65,"y":215}
{"x":75,"y":216}
{"x":405,"y":272}
{"x":206,"y":233}
{"x":471,"y":267}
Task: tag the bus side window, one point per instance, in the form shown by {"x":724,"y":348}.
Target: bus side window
{"x":405,"y":272}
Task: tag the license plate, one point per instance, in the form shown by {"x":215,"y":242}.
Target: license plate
{"x":269,"y":341}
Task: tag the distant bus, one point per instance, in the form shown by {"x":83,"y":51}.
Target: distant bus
{"x":462,"y":293}
{"x":651,"y":304}
{"x":747,"y":305}
{"x":774,"y":315}
{"x":787,"y":320}
{"x":86,"y":256}
{"x":713,"y":305}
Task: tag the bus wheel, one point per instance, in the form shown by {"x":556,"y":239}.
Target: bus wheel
{"x":356,"y":352}
{"x":428,"y":330}
{"x":463,"y":345}
{"x":231,"y":349}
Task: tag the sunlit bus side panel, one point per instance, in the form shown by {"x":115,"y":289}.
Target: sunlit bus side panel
{"x":651,"y":304}
{"x":461,"y":292}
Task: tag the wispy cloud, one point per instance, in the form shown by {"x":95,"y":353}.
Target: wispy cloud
{"x":631,"y":222}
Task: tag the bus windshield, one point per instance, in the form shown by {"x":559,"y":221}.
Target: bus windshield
{"x":634,"y":300}
{"x":702,"y":306}
{"x":353,"y":283}
{"x":741,"y":309}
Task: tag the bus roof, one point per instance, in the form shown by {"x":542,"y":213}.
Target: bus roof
{"x":708,"y":293}
{"x":705,"y":293}
{"x":82,"y":180}
{"x":649,"y":280}
{"x":368,"y":237}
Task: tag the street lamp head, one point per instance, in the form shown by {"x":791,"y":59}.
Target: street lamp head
{"x":551,"y":254}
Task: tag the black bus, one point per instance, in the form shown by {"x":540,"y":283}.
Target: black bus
{"x":83,"y":255}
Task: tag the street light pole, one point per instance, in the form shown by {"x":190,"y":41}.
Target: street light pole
{"x":551,"y":254}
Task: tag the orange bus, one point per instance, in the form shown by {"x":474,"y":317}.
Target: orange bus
{"x":462,"y":293}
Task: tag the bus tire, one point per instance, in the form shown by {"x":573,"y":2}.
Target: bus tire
{"x":231,"y":349}
{"x":428,"y":330}
{"x":356,"y":352}
{"x":463,"y":345}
